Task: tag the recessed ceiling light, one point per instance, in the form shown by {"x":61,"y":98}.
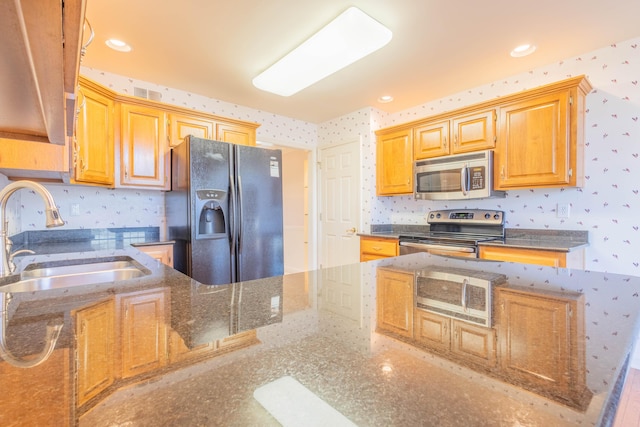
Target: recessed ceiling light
{"x":348,"y":38}
{"x":385,"y":99}
{"x":523,"y":50}
{"x":118,"y":45}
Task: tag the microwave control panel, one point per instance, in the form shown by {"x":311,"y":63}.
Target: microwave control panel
{"x":477,"y":175}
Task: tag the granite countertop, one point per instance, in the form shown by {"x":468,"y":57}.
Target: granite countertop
{"x":549,"y":240}
{"x":306,"y":336}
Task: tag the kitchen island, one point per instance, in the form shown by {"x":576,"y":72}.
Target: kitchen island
{"x":213,"y":348}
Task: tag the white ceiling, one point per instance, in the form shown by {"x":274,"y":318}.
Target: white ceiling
{"x":439,"y":47}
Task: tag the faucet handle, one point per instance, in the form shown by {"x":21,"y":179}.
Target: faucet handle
{"x":12,"y":265}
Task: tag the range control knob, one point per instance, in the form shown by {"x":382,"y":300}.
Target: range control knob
{"x":496,"y":216}
{"x":438,"y":215}
{"x":431,"y":216}
{"x":487,"y":215}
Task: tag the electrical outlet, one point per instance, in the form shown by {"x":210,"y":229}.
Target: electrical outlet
{"x":562,"y":210}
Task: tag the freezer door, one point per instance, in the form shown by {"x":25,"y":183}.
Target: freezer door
{"x":259,"y":195}
{"x":211,"y":210}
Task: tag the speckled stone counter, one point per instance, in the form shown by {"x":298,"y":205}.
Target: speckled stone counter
{"x":317,"y":327}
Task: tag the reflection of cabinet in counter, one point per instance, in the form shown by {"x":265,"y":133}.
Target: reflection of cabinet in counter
{"x":94,"y":349}
{"x":395,"y":302}
{"x":471,"y":343}
{"x":541,"y":342}
{"x":143,"y":331}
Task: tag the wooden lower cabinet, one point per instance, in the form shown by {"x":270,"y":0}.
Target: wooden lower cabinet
{"x":547,"y":258}
{"x":464,"y":341}
{"x":162,"y":252}
{"x":143,"y":331}
{"x":95,"y":340}
{"x":395,"y":302}
{"x":372,"y":248}
{"x":541,"y":342}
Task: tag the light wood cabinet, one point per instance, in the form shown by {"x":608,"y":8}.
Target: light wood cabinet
{"x":372,"y":248}
{"x":547,"y":258}
{"x":394,"y":304}
{"x":143,"y":147}
{"x":181,"y":126}
{"x":143,"y":331}
{"x":236,"y":133}
{"x":95,"y":341}
{"x":162,"y":252}
{"x":394,"y":162}
{"x":464,"y":341}
{"x":459,"y":134}
{"x":541,"y":138}
{"x":93,"y":150}
{"x":541,"y":341}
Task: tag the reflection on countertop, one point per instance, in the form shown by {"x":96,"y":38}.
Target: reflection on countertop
{"x":165,"y":349}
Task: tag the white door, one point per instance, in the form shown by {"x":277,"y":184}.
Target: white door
{"x":340,"y":202}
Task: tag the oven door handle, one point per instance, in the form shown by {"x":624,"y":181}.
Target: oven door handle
{"x":427,"y":246}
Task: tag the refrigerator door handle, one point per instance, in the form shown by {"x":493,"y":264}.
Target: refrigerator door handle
{"x":233,"y":226}
{"x":240,"y":219}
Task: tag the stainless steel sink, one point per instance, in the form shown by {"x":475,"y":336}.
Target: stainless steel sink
{"x":71,"y":273}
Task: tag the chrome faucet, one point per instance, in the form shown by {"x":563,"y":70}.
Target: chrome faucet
{"x":52,"y":214}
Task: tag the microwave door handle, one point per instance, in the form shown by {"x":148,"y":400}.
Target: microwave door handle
{"x":464,"y":295}
{"x":463,"y":180}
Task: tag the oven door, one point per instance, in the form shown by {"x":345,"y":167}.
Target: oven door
{"x":451,"y":250}
{"x":462,"y":297}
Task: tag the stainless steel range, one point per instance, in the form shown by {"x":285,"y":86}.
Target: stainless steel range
{"x":455,"y":232}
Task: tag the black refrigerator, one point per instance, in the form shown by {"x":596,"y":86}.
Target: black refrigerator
{"x":224,"y":211}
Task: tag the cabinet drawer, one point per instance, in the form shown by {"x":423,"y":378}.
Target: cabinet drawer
{"x":382,"y":247}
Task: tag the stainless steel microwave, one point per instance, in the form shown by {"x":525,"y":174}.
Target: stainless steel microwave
{"x":457,"y":177}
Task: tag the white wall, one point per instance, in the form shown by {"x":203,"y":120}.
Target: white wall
{"x":609,"y":204}
{"x":295,"y":209}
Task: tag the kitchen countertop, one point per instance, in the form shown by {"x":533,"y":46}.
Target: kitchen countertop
{"x":304,"y":332}
{"x":549,"y":240}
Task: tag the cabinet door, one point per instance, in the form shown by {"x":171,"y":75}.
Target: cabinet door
{"x":395,"y":302}
{"x":394,"y":167}
{"x":534,"y":145}
{"x":431,"y":140}
{"x":143,"y":147}
{"x":94,"y":144}
{"x":94,"y":349}
{"x":235,"y":134}
{"x":432,"y":330}
{"x":474,"y":132}
{"x":180,"y":126}
{"x":474,"y":343}
{"x":143,"y":331}
{"x":536,"y":340}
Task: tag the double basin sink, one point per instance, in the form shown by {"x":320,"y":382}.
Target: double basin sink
{"x":72,"y":273}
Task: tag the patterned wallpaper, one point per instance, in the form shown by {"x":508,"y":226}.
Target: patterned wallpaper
{"x":609,"y":204}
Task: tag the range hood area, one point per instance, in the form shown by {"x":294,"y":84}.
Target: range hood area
{"x":38,"y":78}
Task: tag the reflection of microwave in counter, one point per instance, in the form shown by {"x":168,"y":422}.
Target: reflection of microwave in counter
{"x":458,"y":293}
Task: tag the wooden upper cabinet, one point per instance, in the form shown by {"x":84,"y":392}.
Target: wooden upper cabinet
{"x":93,"y":150}
{"x":236,"y":133}
{"x":181,"y":126}
{"x":542,"y":137}
{"x":143,"y":147}
{"x":394,"y":164}
{"x":431,"y":140}
{"x":458,"y":134}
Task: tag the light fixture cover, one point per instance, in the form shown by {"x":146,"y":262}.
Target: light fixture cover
{"x":348,"y":38}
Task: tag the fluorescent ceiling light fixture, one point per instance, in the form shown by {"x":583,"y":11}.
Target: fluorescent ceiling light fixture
{"x":118,"y":45}
{"x":523,"y":50}
{"x":348,"y":38}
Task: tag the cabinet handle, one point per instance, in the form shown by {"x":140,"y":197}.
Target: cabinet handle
{"x":376,"y":248}
{"x":168,"y":132}
{"x":126,"y":172}
{"x":445,"y":142}
{"x":502,"y":172}
{"x":92,"y":33}
{"x":455,"y":140}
